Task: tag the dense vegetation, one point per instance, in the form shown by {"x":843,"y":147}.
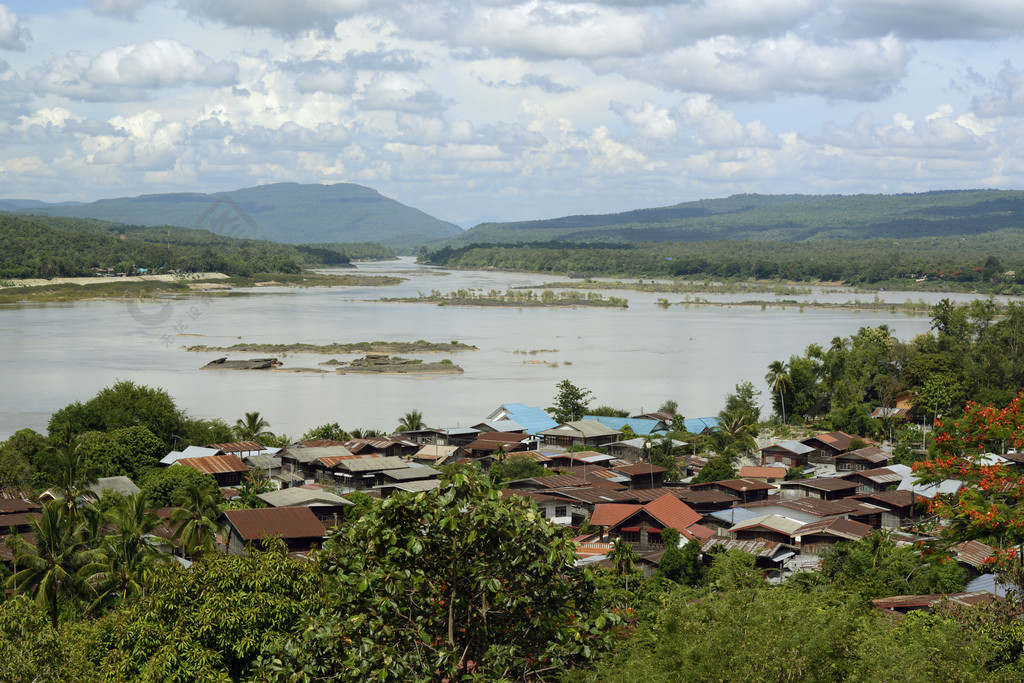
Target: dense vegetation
{"x":281,"y":212}
{"x":780,"y":218}
{"x":39,"y":247}
{"x":992,"y":262}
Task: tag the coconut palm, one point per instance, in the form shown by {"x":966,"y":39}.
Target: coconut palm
{"x":56,"y":565}
{"x":623,"y":556}
{"x":779,"y":381}
{"x":734,"y":434}
{"x":70,"y":477}
{"x":358,"y":433}
{"x":252,"y":427}
{"x":411,"y":421}
{"x":196,"y":518}
{"x":131,"y":554}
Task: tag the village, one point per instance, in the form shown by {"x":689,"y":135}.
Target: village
{"x":791,"y":500}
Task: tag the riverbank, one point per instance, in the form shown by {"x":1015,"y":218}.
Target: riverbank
{"x":379,"y":347}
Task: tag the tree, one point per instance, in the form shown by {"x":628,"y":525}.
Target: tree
{"x":331,"y":431}
{"x":743,"y":401}
{"x":779,"y":382}
{"x":69,"y":477}
{"x":680,"y":565}
{"x":253,"y":484}
{"x":718,"y":468}
{"x":515,"y":467}
{"x":32,"y":650}
{"x":668,"y":406}
{"x":197,"y":520}
{"x":127,"y":451}
{"x":53,"y":566}
{"x":411,"y":422}
{"x":464,"y":584}
{"x":252,"y":427}
{"x":570,"y":402}
{"x":165,"y":486}
{"x":608,"y":411}
{"x":663,"y":453}
{"x":623,"y":557}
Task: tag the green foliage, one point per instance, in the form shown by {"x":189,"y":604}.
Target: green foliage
{"x":608,"y":411}
{"x":129,"y":451}
{"x":411,"y":421}
{"x":680,"y":565}
{"x":122,"y":405}
{"x":742,"y":402}
{"x":196,"y":518}
{"x":331,"y":431}
{"x":209,"y":623}
{"x":451,"y":576}
{"x":669,"y":406}
{"x":363,"y":504}
{"x":515,"y":467}
{"x":166,"y":485}
{"x":253,"y":427}
{"x":875,"y":567}
{"x":32,"y":650}
{"x":570,"y":402}
{"x":253,"y":484}
{"x":19,"y":456}
{"x":718,"y":468}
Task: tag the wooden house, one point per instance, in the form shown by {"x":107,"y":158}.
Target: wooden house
{"x":298,"y":527}
{"x":867,"y":458}
{"x":580,"y":433}
{"x":787,"y":454}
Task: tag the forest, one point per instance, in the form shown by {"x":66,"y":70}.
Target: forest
{"x":991,"y":263}
{"x":45,"y":247}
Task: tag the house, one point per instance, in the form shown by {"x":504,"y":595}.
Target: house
{"x":899,"y":507}
{"x":660,"y":415}
{"x":543,"y":459}
{"x":507,"y":426}
{"x":828,"y":445}
{"x":415,"y":486}
{"x":825,"y":488}
{"x":869,"y":457}
{"x":388,"y":446}
{"x":580,"y":462}
{"x":411,"y":473}
{"x":643,"y":476}
{"x":554,"y":506}
{"x":242,"y":449}
{"x":769,"y":475}
{"x":702,"y":425}
{"x":490,"y":443}
{"x":328,"y":507}
{"x":635,"y":450}
{"x":811,"y":538}
{"x":298,"y":527}
{"x":359,"y":473}
{"x":533,"y":420}
{"x":874,"y":480}
{"x":123,"y":486}
{"x":767,"y":555}
{"x":747,"y":490}
{"x":228,"y":470}
{"x":901,"y":411}
{"x":809,"y":510}
{"x":456,"y":436}
{"x":431,"y":454}
{"x":580,"y":433}
{"x":305,"y":461}
{"x":189,"y":452}
{"x":639,"y":426}
{"x":641,"y":525}
{"x":555,"y":481}
{"x":786,"y":453}
{"x":706,"y":501}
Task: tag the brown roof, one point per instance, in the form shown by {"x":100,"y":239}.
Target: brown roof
{"x":635,"y":470}
{"x":819,"y":507}
{"x":708,"y":496}
{"x":298,"y":522}
{"x":838,"y":440}
{"x":748,"y":472}
{"x":897,"y":498}
{"x":844,"y":528}
{"x":824,"y":484}
{"x":215,"y":464}
{"x":736,"y":485}
{"x":756,"y":548}
{"x":557,"y":481}
{"x":319,"y":443}
{"x":610,"y":514}
{"x":18,"y":505}
{"x":872,"y":454}
{"x":238,"y":446}
{"x":879,"y":475}
{"x":596,"y":494}
{"x":903,"y":603}
{"x":507,"y":437}
{"x":973,"y":553}
{"x":668,"y":510}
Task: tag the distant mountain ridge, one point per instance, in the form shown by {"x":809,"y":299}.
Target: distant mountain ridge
{"x":785,"y":218}
{"x":292,"y":213}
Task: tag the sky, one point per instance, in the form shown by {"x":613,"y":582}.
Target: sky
{"x":479,"y":110}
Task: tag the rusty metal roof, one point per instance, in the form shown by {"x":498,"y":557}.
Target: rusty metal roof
{"x":286,"y":522}
{"x":595,"y":494}
{"x":557,"y":481}
{"x":822,"y":484}
{"x":878,"y":475}
{"x":752,"y":472}
{"x":843,"y":528}
{"x":635,"y":470}
{"x":735,"y":485}
{"x":872,"y":454}
{"x":973,"y":553}
{"x":18,"y":505}
{"x":755,"y":548}
{"x":215,"y":464}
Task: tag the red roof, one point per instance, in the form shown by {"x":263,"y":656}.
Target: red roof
{"x":635,"y":470}
{"x":667,"y":510}
{"x":297,"y":522}
{"x":215,"y":464}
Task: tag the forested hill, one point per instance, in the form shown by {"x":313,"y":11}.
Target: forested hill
{"x":42,"y":246}
{"x":781,"y":218}
{"x":281,"y":212}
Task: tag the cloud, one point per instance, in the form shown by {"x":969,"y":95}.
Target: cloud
{"x":158,"y":64}
{"x":384,"y":60}
{"x":930,"y":19}
{"x":530,"y":80}
{"x":650,"y":121}
{"x":125,"y":9}
{"x":398,"y":92}
{"x":1006,"y":96}
{"x":764,"y":69}
{"x":288,"y":18}
{"x":13,"y":36}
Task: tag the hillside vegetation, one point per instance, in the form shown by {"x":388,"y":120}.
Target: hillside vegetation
{"x":44,"y":247}
{"x":281,"y":212}
{"x":784,"y":218}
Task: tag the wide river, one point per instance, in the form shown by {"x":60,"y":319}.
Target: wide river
{"x":635,"y":358}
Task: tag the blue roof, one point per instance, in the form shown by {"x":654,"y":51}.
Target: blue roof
{"x":696,"y":425}
{"x":640,"y":426}
{"x":534,"y":420}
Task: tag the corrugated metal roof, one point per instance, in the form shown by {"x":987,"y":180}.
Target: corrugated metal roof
{"x":755,"y":548}
{"x":580,"y":428}
{"x":371,"y":464}
{"x":238,"y":446}
{"x":122,"y":485}
{"x":18,"y":505}
{"x":751,"y":472}
{"x":973,"y":553}
{"x":638,"y":425}
{"x":696,"y":425}
{"x":778,"y":523}
{"x":734,"y":515}
{"x":843,"y":528}
{"x":413,"y":486}
{"x":556,"y":481}
{"x":878,"y":475}
{"x":413,"y":473}
{"x":286,"y":522}
{"x":301,"y":496}
{"x":595,"y":494}
{"x":871,"y":454}
{"x":215,"y":464}
{"x":189,"y":452}
{"x":637,"y":470}
{"x":792,"y":446}
{"x":534,"y":420}
{"x":736,"y":485}
{"x":822,"y":484}
{"x":500,"y":426}
{"x":314,"y":453}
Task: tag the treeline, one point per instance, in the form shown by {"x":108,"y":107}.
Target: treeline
{"x":994,"y":262}
{"x":44,"y":247}
{"x":782,"y":218}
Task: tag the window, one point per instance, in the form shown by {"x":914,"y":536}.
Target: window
{"x":560,"y":511}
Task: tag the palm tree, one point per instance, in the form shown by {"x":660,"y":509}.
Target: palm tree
{"x":734,"y":434}
{"x":71,"y":477}
{"x":358,"y":433}
{"x":778,"y":380}
{"x":197,"y":520}
{"x":132,"y":553}
{"x":411,"y":421}
{"x":252,"y":427}
{"x":623,"y":556}
{"x":55,"y":566}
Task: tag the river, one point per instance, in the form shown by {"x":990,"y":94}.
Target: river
{"x":635,"y":358}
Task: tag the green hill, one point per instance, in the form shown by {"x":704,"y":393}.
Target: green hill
{"x":781,"y":218}
{"x":281,"y":212}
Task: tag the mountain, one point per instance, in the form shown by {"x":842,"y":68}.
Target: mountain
{"x":784,"y":218}
{"x":281,"y":212}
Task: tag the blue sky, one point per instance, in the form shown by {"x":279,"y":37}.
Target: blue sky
{"x":478,"y":110}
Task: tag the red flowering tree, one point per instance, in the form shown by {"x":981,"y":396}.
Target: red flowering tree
{"x":986,"y":506}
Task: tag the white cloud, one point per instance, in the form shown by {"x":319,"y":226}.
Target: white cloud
{"x":13,"y":36}
{"x":290,"y":18}
{"x":399,"y":92}
{"x":931,"y":19}
{"x":158,"y":64}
